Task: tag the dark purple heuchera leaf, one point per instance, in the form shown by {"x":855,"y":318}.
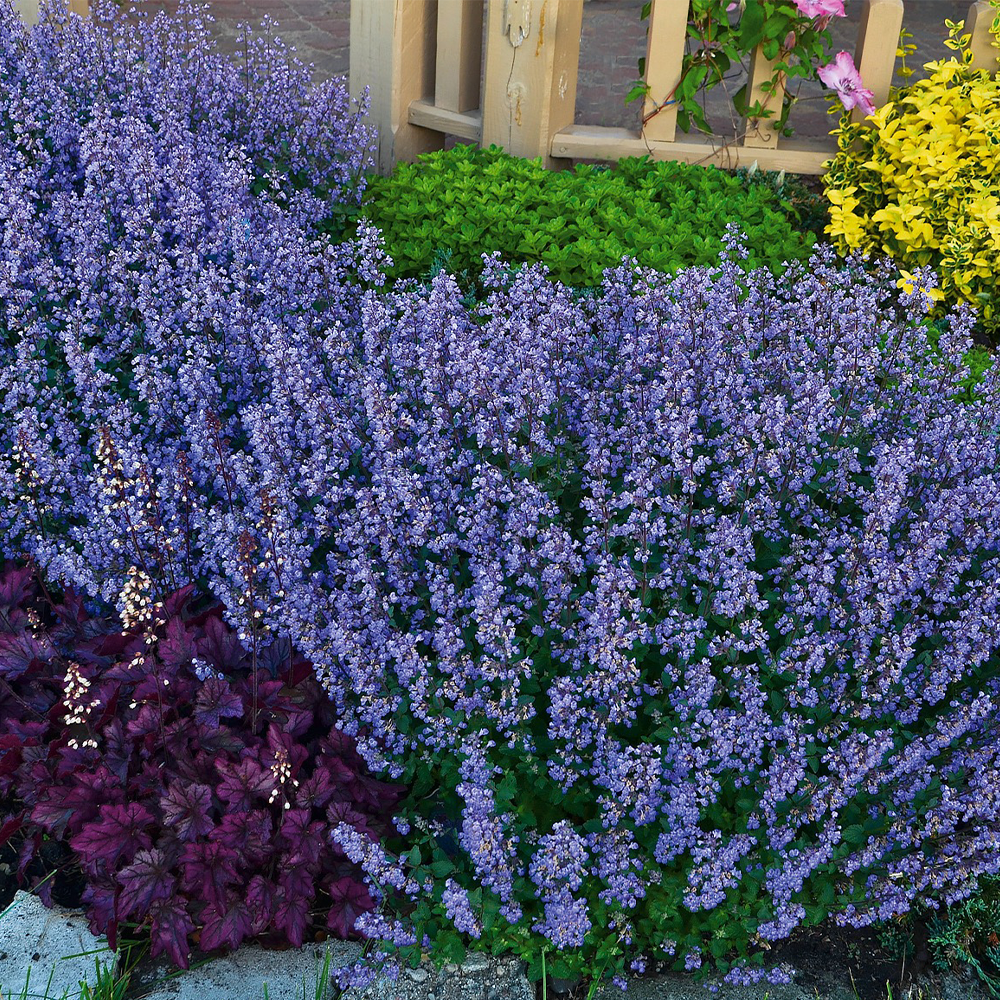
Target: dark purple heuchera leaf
{"x":147,"y":722}
{"x":269,"y":695}
{"x":341,"y":773}
{"x":75,"y":759}
{"x":178,"y":736}
{"x":10,"y":759}
{"x":208,"y":869}
{"x":222,"y":741}
{"x":220,"y":647}
{"x":282,"y":748}
{"x":216,"y":699}
{"x":175,"y":603}
{"x":304,"y":705}
{"x":316,"y":790}
{"x":243,"y":782}
{"x":26,"y":853}
{"x":19,"y":651}
{"x":368,"y":792}
{"x":118,"y":832}
{"x":120,"y":645}
{"x":9,"y":826}
{"x":149,"y":688}
{"x":26,"y":729}
{"x":349,"y":899}
{"x":187,"y":811}
{"x":301,"y":837}
{"x":117,"y":748}
{"x":143,"y":882}
{"x":179,"y":646}
{"x":260,"y":904}
{"x":101,"y":903}
{"x":297,"y":718}
{"x":337,"y":743}
{"x":274,"y":658}
{"x":170,"y":929}
{"x":42,"y":887}
{"x":248,"y":834}
{"x":68,"y":808}
{"x":291,"y":915}
{"x":298,"y":880}
{"x":296,"y":890}
{"x":225,"y":926}
{"x":344,"y":812}
{"x":15,"y":584}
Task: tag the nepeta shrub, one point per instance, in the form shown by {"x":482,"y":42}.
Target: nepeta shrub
{"x":689,"y":590}
{"x":675,"y":605}
{"x":135,"y":163}
{"x":143,"y":276}
{"x":195,"y":784}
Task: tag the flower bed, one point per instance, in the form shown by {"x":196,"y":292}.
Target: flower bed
{"x":646,"y":624}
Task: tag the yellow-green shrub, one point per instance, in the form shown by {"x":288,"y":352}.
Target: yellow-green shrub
{"x":921,"y":183}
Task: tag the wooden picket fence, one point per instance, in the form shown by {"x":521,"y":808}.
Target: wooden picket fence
{"x":422,"y":62}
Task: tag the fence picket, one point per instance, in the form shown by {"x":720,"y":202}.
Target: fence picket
{"x":393,"y":52}
{"x":664,"y":65}
{"x":459,"y":54}
{"x":875,"y":55}
{"x":529,"y":89}
{"x":984,"y":54}
{"x":761,"y":132}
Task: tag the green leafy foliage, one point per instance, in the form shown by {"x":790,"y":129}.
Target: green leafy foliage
{"x":967,"y":933}
{"x":451,"y":207}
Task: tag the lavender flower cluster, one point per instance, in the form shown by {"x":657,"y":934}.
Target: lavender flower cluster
{"x":697,"y":580}
{"x":155,"y":197}
{"x":714,"y":563}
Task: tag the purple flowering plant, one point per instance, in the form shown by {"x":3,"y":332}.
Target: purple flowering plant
{"x":675,"y":606}
{"x":698,"y":620}
{"x":666,"y":604}
{"x":195,"y":787}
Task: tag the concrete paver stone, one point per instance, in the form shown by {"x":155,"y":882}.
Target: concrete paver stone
{"x":36,"y":942}
{"x":292,"y":975}
{"x":243,"y":974}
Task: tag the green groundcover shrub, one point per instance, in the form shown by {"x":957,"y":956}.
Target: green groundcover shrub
{"x":451,"y":207}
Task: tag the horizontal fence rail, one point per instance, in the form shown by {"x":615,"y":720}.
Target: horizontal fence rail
{"x":422,"y":62}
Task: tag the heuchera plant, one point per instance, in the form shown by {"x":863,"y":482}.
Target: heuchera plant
{"x":195,"y":787}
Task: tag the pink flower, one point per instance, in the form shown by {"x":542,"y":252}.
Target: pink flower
{"x":842,"y":75}
{"x":821,"y":8}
